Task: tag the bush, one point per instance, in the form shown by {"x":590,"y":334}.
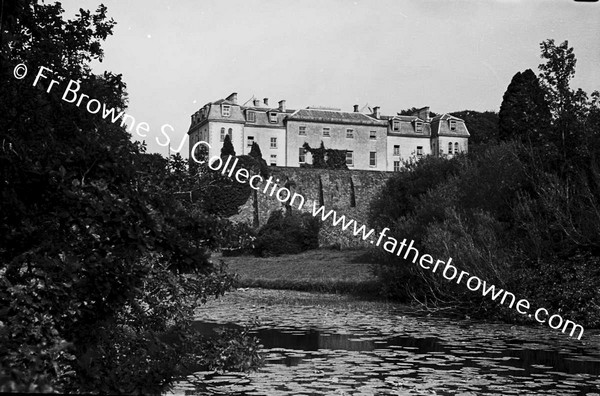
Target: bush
{"x":236,"y":239}
{"x":287,"y":233}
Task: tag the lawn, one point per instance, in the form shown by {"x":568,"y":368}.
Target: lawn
{"x":324,"y":270}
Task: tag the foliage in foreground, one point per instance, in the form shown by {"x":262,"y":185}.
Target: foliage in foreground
{"x":92,"y":238}
{"x":523,"y":214}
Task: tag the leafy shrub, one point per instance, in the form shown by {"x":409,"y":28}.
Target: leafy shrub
{"x":236,"y":239}
{"x":287,"y":233}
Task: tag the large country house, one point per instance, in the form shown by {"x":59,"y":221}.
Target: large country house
{"x":373,"y":141}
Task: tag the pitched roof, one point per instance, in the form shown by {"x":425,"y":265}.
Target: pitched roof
{"x":335,"y":117}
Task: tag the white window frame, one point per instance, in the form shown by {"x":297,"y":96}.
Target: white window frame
{"x":302,"y":155}
{"x":222,"y":136}
{"x":349,"y":133}
{"x":302,"y":130}
{"x":452,"y":125}
{"x":396,"y":152}
{"x":272,"y":117}
{"x":273,"y":142}
{"x":396,"y":166}
{"x":419,"y":151}
{"x":351,"y":158}
{"x":395,"y":125}
{"x":449,"y":148}
{"x":273,"y":160}
{"x":373,"y":135}
{"x":226,"y":110}
{"x":456,"y":148}
{"x":373,"y":158}
{"x":419,"y":127}
{"x":249,"y":141}
{"x":328,"y":130}
{"x":251,"y":116}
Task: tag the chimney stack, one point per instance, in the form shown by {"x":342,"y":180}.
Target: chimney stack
{"x":256,"y":102}
{"x":424,"y":113}
{"x":282,"y":106}
{"x":266,"y":101}
{"x":232,"y":98}
{"x":376,"y":113}
{"x":356,"y":108}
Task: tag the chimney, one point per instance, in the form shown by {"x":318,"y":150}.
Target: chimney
{"x":376,"y":113}
{"x":282,"y":106}
{"x":266,"y":101}
{"x":256,"y":102}
{"x":356,"y":108}
{"x":424,"y":113}
{"x":232,"y":98}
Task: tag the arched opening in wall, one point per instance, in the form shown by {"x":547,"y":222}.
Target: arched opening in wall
{"x":321,"y":200}
{"x":352,"y":195}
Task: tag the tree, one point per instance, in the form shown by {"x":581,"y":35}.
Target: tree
{"x":257,"y":155}
{"x":524,"y":113}
{"x":573,"y":127}
{"x":227,"y":148}
{"x":85,"y":229}
{"x":482,"y":126}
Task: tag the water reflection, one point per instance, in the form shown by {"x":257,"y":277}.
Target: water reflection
{"x":375,"y":362}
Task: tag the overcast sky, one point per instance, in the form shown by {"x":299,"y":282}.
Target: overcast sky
{"x":177,"y":55}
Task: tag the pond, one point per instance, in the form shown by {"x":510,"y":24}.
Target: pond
{"x":326,"y":344}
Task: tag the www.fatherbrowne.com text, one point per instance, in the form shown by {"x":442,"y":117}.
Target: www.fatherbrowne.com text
{"x":404,"y":248}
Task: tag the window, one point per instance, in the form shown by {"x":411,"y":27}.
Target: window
{"x":273,"y":159}
{"x":373,"y":158}
{"x":250,"y":141}
{"x":373,"y":135}
{"x":397,"y":149}
{"x":326,"y":132}
{"x":302,"y":130}
{"x":301,"y":155}
{"x":419,"y":151}
{"x":450,"y":148}
{"x":456,"y":148}
{"x":225,"y":110}
{"x":350,"y":158}
{"x":396,"y":166}
{"x":273,"y":142}
{"x":452,"y":125}
{"x":419,"y":127}
{"x":251,"y":116}
{"x":230,"y":132}
{"x":350,"y":133}
{"x":396,"y":125}
{"x":273,"y":117}
{"x":222,"y":134}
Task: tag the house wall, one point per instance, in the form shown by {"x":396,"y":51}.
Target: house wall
{"x":361,"y":145}
{"x":408,"y":148}
{"x":262,"y":136}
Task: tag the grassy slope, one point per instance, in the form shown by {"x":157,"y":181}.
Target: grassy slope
{"x":323,"y":270}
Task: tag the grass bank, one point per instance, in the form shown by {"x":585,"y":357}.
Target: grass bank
{"x":321,"y":270}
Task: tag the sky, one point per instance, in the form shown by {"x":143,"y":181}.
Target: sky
{"x":177,"y":55}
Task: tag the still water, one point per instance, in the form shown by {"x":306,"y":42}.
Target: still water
{"x":313,"y":346}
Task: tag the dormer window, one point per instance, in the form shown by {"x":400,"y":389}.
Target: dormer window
{"x":226,"y":110}
{"x":272,"y":117}
{"x":452,"y":125}
{"x":419,"y":127}
{"x":250,"y":116}
{"x":396,"y":125}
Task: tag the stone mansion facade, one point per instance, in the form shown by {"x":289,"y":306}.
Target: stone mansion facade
{"x":373,"y":141}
